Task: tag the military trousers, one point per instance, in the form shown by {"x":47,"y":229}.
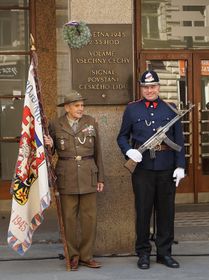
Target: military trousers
{"x":154,"y":188}
{"x":79,"y":217}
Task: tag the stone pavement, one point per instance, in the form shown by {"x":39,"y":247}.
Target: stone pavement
{"x":191,"y":223}
{"x":42,"y":260}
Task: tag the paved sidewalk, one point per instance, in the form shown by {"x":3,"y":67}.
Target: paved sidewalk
{"x":191,"y":223}
{"x":41,"y":262}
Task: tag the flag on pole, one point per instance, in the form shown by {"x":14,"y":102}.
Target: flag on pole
{"x":30,"y":187}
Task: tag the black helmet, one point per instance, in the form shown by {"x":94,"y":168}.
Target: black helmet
{"x":149,"y":78}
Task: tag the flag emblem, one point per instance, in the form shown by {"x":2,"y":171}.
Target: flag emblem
{"x":30,"y":187}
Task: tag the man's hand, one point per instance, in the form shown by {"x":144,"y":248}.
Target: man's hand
{"x":48,"y":141}
{"x":178,"y":174}
{"x":134,"y":154}
{"x":100,"y":186}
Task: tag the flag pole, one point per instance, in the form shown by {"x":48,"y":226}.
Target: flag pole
{"x":51,"y":173}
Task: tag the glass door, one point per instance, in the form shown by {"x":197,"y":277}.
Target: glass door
{"x":172,"y":38}
{"x":201,"y":129}
{"x":175,"y":73}
{"x":14,"y":59}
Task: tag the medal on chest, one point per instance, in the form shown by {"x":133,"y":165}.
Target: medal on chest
{"x":62,"y":144}
{"x":88,"y":131}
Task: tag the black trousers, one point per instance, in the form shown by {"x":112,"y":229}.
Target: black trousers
{"x":154,"y":188}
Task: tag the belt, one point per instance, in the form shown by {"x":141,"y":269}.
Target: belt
{"x":78,"y":158}
{"x":162,"y":147}
{"x":158,"y":148}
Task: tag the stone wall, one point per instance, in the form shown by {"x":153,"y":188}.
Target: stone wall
{"x":115,"y":231}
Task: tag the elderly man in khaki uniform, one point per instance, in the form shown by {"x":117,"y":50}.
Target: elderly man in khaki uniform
{"x":79,"y":171}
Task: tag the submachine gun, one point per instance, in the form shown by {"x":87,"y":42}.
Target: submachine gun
{"x":154,"y":142}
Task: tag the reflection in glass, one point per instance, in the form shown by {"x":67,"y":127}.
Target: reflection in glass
{"x":8,"y":158}
{"x":175,"y":24}
{"x":13,"y":74}
{"x":204,"y":114}
{"x":10,"y":128}
{"x":172,"y":74}
{"x":14,"y":34}
{"x":10,"y":117}
{"x":19,"y":3}
{"x":14,"y":30}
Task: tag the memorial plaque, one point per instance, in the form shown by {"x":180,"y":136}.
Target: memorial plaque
{"x":103,"y":70}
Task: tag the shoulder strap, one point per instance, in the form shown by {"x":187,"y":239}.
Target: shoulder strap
{"x":172,"y":108}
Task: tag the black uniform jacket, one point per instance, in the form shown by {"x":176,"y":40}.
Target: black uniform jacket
{"x":140,"y":123}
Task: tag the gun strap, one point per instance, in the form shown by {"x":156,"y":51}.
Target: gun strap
{"x":172,"y":108}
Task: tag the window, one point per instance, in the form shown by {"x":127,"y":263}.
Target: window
{"x":14,"y":61}
{"x":174,"y":24}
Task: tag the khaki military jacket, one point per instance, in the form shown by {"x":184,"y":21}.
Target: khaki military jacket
{"x":79,"y":166}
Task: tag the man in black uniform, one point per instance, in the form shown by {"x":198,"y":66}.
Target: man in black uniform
{"x":154,"y":180}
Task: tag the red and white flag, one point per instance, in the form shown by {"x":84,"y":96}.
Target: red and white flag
{"x":30,"y":187}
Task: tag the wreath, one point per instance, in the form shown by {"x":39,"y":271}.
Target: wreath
{"x":76,"y":34}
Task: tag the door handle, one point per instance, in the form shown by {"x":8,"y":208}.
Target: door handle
{"x":187,"y":132}
{"x":190,"y":138}
{"x":203,"y":134}
{"x":199,"y":134}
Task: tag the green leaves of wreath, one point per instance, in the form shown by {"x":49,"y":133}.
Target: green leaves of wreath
{"x":76,"y":34}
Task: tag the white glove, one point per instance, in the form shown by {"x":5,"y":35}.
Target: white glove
{"x":134,"y":154}
{"x":178,"y":174}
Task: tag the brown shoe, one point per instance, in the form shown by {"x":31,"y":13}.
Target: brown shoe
{"x":74,"y":263}
{"x":90,"y":263}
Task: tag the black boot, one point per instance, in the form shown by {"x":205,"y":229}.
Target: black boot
{"x":143,"y":262}
{"x":168,"y":261}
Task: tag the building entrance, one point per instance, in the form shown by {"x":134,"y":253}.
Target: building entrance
{"x":184,"y":80}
